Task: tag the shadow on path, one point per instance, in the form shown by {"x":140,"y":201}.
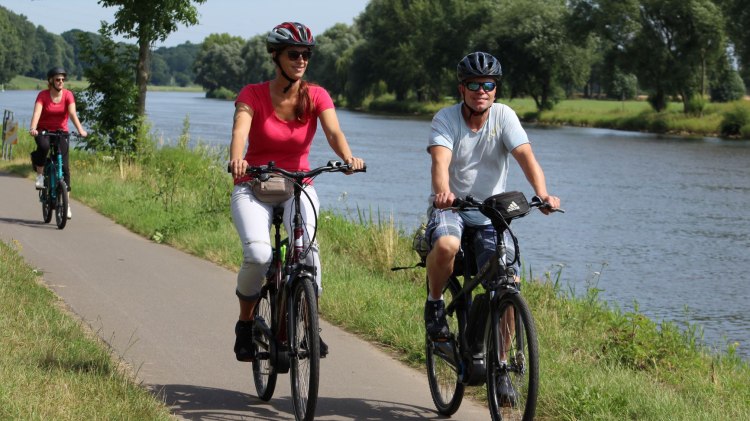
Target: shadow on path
{"x":202,"y":403}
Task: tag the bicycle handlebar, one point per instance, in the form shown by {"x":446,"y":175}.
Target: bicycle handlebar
{"x":263,"y":171}
{"x":59,"y":133}
{"x":470,"y":202}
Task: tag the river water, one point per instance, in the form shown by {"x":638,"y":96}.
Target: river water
{"x":661,"y":223}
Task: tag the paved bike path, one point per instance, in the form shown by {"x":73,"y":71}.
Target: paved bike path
{"x":171,"y":316}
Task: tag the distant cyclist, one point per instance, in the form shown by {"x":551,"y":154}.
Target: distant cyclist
{"x":52,"y":108}
{"x":276,"y":121}
{"x":470,"y":144}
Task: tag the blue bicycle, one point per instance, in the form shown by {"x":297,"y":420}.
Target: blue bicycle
{"x":54,"y":194}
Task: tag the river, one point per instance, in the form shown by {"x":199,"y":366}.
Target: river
{"x":655,"y":220}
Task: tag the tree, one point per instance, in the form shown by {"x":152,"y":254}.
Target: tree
{"x":331,"y":44}
{"x":109,"y":104}
{"x":149,"y":21}
{"x":219,"y":63}
{"x":539,"y":56}
{"x":12,"y":60}
{"x":258,"y":65}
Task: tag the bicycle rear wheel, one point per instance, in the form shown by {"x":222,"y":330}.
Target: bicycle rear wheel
{"x":513,"y":375}
{"x":446,"y":387}
{"x":61,"y":205}
{"x":304,"y":340}
{"x":264,"y":372}
{"x":46,"y":199}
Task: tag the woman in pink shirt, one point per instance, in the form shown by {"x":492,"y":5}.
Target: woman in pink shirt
{"x":276,"y":120}
{"x":52,"y":108}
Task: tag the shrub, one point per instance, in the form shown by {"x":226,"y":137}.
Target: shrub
{"x":735,"y":121}
{"x":728,"y":87}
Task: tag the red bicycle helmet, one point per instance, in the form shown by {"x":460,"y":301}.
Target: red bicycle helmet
{"x":289,"y":33}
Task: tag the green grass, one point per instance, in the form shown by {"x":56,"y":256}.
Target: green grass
{"x":597,"y":362}
{"x":51,"y":367}
{"x":618,"y":115}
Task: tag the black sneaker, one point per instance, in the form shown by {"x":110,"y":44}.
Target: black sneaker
{"x":434,"y":321}
{"x":323,"y":346}
{"x":506,"y":393}
{"x":244,"y":348}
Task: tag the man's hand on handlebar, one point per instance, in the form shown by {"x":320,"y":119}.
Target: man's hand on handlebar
{"x":552,"y":204}
{"x":443,"y":200}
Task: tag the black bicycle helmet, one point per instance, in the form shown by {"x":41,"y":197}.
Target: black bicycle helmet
{"x":287,"y":34}
{"x":56,"y":71}
{"x":478,"y":64}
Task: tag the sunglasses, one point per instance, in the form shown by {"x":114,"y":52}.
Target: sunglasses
{"x":474,"y":86}
{"x":60,"y":79}
{"x":294,"y":55}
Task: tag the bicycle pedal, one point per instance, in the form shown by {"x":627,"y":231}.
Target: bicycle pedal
{"x":263,"y":356}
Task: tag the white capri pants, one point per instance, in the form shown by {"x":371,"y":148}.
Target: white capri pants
{"x":252,"y":219}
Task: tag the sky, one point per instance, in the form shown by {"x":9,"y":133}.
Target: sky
{"x":243,"y":18}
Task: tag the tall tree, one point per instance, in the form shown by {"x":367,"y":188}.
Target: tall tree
{"x":219,"y":63}
{"x":539,"y":56}
{"x":149,"y":21}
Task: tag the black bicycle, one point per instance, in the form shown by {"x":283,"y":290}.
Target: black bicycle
{"x":493,"y":337}
{"x":286,"y":316}
{"x":54,"y":194}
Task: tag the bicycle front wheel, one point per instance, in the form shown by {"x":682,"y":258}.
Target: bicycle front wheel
{"x":512,"y":360}
{"x":264,"y":372}
{"x":304,"y":340}
{"x":46,"y":199}
{"x":443,"y":375}
{"x":61,"y":205}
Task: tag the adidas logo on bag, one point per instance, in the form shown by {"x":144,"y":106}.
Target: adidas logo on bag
{"x":512,"y":207}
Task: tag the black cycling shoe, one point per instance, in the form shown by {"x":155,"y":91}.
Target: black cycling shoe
{"x":323,"y":346}
{"x":506,"y":393}
{"x":244,"y":348}
{"x":434,"y":321}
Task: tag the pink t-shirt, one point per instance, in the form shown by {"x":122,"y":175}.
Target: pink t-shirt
{"x":54,"y":115}
{"x":287,"y":143}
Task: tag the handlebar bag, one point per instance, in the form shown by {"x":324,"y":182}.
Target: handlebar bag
{"x":276,"y":189}
{"x":510,"y":204}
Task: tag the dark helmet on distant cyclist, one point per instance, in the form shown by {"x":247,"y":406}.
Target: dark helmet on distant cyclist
{"x":56,"y":71}
{"x":478,"y":64}
{"x":289,"y":34}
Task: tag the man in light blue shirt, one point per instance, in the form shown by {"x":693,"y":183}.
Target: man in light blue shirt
{"x":470,"y":145}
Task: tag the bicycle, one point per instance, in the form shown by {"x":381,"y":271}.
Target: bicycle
{"x":286,"y":315}
{"x":493,"y":337}
{"x":54,"y":194}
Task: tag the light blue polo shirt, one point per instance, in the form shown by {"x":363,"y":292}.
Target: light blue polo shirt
{"x":479,"y":164}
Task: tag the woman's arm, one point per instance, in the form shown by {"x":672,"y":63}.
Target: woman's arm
{"x":35,"y":118}
{"x":336,"y":139}
{"x":74,"y":117}
{"x":243,"y":118}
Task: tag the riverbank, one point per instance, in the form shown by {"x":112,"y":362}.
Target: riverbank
{"x":726,"y":120}
{"x":597,"y":362}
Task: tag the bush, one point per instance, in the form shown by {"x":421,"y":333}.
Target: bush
{"x":728,"y":87}
{"x":735,"y":121}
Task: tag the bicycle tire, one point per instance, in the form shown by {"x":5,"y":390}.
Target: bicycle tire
{"x":264,"y":371}
{"x":304,"y":341}
{"x":522,"y":367}
{"x":61,"y":205}
{"x":46,"y":199}
{"x":443,"y":375}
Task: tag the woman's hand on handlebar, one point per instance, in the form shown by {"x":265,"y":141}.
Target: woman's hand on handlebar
{"x":237,"y":167}
{"x":443,"y":200}
{"x":355,"y":163}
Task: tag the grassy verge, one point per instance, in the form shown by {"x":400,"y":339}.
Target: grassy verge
{"x":597,"y":362}
{"x":51,"y":367}
{"x":618,"y":115}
